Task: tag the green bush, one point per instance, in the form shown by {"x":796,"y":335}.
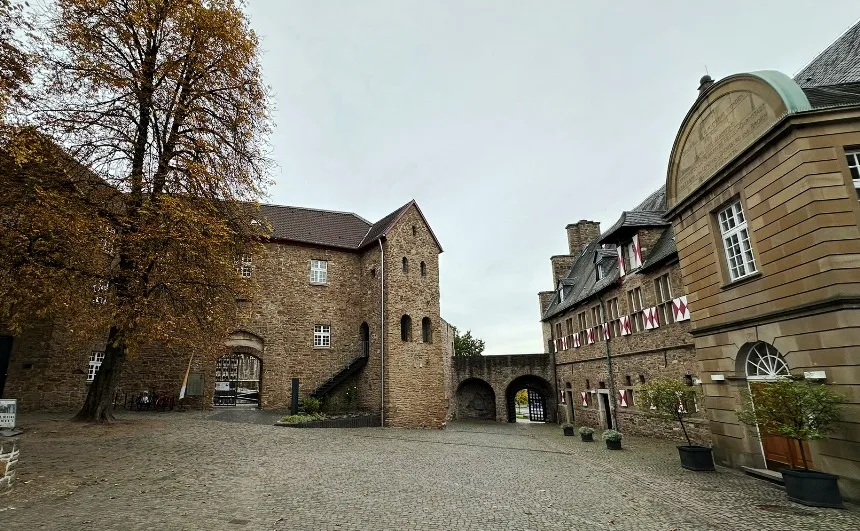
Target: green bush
{"x":611,"y":435}
{"x":566,"y":425}
{"x":299,"y":419}
{"x":585,"y":430}
{"x":672,"y":400}
{"x":332,"y":404}
{"x":310,"y":405}
{"x":351,"y":395}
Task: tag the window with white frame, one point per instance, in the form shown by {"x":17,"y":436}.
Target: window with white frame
{"x":583,"y":328}
{"x":319,"y":272}
{"x":322,"y":336}
{"x":96,"y":359}
{"x":629,"y":256}
{"x":100,"y":290}
{"x":597,"y":320}
{"x":245,"y":265}
{"x":634,"y":303}
{"x":854,"y":167}
{"x":736,"y":241}
{"x":663,"y":292}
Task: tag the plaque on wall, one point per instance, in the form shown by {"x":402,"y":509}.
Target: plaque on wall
{"x":8,"y":409}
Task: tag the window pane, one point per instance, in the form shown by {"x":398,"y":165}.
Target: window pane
{"x":855,"y":173}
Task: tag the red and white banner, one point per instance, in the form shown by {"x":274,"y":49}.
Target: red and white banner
{"x":625,"y":325}
{"x":636,"y":259}
{"x":622,"y":397}
{"x":605,"y":331}
{"x":651,"y":317}
{"x":584,"y":398}
{"x":680,"y":309}
{"x":576,"y":342}
{"x":591,"y":332}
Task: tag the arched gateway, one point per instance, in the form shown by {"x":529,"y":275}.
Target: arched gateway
{"x":238,"y":374}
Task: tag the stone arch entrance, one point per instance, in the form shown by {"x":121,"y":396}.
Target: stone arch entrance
{"x":762,"y":363}
{"x":476,"y":400}
{"x":238,"y":375}
{"x":541,"y":398}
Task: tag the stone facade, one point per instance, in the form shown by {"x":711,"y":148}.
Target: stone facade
{"x":604,"y":368}
{"x":276,"y":326}
{"x":796,"y":297}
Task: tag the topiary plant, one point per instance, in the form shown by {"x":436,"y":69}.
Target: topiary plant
{"x":792,"y":409}
{"x":585,"y":430}
{"x":611,"y":435}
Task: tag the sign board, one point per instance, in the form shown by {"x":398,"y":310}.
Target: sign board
{"x":8,"y":409}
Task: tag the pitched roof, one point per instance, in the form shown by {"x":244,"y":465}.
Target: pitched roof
{"x":663,"y":249}
{"x":581,"y":282}
{"x":836,"y":65}
{"x":329,"y":228}
{"x":833,"y":95}
{"x":648,"y":213}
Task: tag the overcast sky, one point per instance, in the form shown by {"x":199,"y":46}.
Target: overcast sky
{"x":505,"y":120}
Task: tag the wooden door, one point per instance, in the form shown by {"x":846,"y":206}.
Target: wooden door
{"x":780,"y":452}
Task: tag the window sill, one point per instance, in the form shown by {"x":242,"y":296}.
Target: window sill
{"x":322,"y":348}
{"x":742,"y":280}
{"x":319,"y":283}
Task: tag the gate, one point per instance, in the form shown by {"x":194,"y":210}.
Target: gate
{"x":536,"y":407}
{"x":237,"y":380}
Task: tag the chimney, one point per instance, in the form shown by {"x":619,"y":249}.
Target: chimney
{"x":704,"y":84}
{"x":580,"y":234}
{"x":545,"y":297}
{"x":560,"y":267}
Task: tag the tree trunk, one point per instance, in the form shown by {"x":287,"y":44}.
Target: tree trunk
{"x":681,"y":420}
{"x":98,"y":406}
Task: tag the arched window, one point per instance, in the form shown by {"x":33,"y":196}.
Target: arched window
{"x":406,"y":327}
{"x":423,"y":269}
{"x":426,"y":330}
{"x":405,"y":265}
{"x":764,"y":362}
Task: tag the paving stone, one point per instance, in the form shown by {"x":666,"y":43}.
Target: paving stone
{"x":192,"y":471}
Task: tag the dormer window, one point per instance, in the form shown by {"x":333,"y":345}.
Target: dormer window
{"x":598,"y":271}
{"x":561,"y":294}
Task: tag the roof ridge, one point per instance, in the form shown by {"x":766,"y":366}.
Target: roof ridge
{"x":319,"y":210}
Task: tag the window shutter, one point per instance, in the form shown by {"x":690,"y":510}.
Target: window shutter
{"x":621,"y":271}
{"x":636,"y":259}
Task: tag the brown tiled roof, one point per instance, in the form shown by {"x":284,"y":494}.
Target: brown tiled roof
{"x":329,"y":228}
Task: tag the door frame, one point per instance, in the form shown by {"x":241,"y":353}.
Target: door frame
{"x":765,"y":380}
{"x":605,"y":410}
{"x":5,"y":359}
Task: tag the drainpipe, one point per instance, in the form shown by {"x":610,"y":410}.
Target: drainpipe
{"x":381,"y":334}
{"x":611,"y":378}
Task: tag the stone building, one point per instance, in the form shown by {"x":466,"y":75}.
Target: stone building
{"x":762,"y":194}
{"x":349,"y":307}
{"x":616,"y":319}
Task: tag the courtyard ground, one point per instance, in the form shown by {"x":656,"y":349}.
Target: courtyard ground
{"x":233,"y":470}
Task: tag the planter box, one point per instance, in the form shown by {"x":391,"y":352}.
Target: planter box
{"x":568,"y":432}
{"x":613,"y":445}
{"x":816,"y":489}
{"x":359,"y":421}
{"x":698,"y":458}
{"x":587,"y":437}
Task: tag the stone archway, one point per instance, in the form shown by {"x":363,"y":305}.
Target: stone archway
{"x":476,"y":400}
{"x":238,"y":374}
{"x":541,"y":397}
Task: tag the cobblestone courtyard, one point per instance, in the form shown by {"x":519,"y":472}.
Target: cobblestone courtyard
{"x":202,"y":471}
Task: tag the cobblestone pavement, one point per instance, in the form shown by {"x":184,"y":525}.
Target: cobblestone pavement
{"x":175,"y":471}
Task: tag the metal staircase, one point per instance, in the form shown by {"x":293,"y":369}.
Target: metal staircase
{"x":348,"y":370}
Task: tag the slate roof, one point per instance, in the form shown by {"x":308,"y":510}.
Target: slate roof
{"x":832,"y":78}
{"x":581,"y":282}
{"x":836,"y":65}
{"x":329,"y":228}
{"x":648,"y":213}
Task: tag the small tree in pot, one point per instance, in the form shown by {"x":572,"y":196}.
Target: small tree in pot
{"x":672,"y":400}
{"x":568,"y":429}
{"x":800,"y":411}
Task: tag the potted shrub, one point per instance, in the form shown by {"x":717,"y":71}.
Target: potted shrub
{"x":568,"y":429}
{"x":613,"y":439}
{"x":586,"y":433}
{"x":800,"y":411}
{"x":672,"y":400}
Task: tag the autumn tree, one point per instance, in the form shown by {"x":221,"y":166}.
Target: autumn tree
{"x":161,"y":115}
{"x":466,"y":345}
{"x":15,"y":61}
